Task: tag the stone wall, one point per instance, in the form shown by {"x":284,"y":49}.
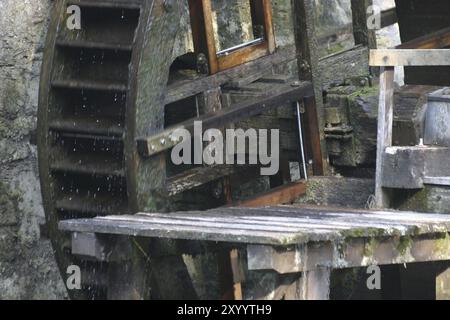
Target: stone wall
{"x":27,"y":266}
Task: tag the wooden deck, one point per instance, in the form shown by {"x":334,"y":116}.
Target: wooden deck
{"x":284,"y":225}
{"x":304,"y":243}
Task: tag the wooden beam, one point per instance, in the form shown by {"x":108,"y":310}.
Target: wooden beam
{"x":409,"y":57}
{"x":308,"y":64}
{"x":156,"y":144}
{"x":388,"y":17}
{"x":357,"y":252}
{"x":361,"y":32}
{"x":385,"y":122}
{"x":184,"y":89}
{"x":286,"y":194}
{"x":435,"y":40}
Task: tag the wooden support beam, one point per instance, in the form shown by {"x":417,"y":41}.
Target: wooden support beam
{"x":389,"y":17}
{"x":409,"y":57}
{"x":385,"y":122}
{"x":286,"y":194}
{"x":155,"y":144}
{"x":363,"y":35}
{"x":356,"y":253}
{"x":315,"y":284}
{"x":308,"y":63}
{"x":436,"y":40}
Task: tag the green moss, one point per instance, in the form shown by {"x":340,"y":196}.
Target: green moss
{"x":370,"y":246}
{"x":404,"y":245}
{"x":442,"y":245}
{"x":365,"y":92}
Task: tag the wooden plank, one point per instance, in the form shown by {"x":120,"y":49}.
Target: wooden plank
{"x":276,"y":226}
{"x":357,"y":252}
{"x":196,"y":177}
{"x":181,"y":90}
{"x":435,"y":40}
{"x":308,"y":65}
{"x":409,"y":57}
{"x":385,"y":122}
{"x":158,"y":143}
{"x":286,"y":194}
{"x":315,"y":284}
{"x":388,"y":17}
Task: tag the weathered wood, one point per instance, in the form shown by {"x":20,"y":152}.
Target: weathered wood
{"x":315,"y":284}
{"x":308,"y":64}
{"x":286,"y":194}
{"x":181,"y":90}
{"x":275,"y":226}
{"x":388,"y":17}
{"x":357,"y":252}
{"x":385,"y":122}
{"x":412,"y":167}
{"x":337,"y":67}
{"x":436,"y":40}
{"x":204,"y":39}
{"x":417,"y":19}
{"x":409,"y":57}
{"x":154,"y":144}
{"x":363,"y":35}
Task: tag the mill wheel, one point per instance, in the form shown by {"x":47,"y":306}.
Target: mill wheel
{"x":91,"y":109}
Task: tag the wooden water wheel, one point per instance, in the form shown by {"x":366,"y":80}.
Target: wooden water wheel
{"x":103,"y":122}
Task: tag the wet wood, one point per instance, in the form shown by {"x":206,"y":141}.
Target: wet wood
{"x":272,"y":98}
{"x":273,"y":225}
{"x":409,"y":57}
{"x":308,"y":65}
{"x":385,"y":122}
{"x":436,"y":40}
{"x":363,"y":35}
{"x":286,"y":194}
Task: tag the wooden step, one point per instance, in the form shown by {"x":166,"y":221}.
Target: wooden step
{"x":103,"y":127}
{"x":196,"y":177}
{"x":89,"y":85}
{"x":89,"y":167}
{"x":100,"y":205}
{"x":84,"y":44}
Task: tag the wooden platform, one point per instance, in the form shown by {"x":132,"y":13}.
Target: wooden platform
{"x":283,"y":225}
{"x":304,"y":243}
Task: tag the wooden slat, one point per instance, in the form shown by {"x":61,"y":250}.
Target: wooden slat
{"x":409,"y":57}
{"x":274,"y":98}
{"x":285,"y":225}
{"x":384,"y":133}
{"x":286,"y":194}
{"x":196,"y":177}
{"x":436,"y":40}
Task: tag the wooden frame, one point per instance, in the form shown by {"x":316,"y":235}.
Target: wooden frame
{"x":387,"y":59}
{"x":204,"y":38}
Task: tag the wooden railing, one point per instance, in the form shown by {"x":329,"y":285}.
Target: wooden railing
{"x":388,"y":59}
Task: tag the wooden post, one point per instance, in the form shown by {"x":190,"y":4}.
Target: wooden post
{"x":308,"y":62}
{"x":127,"y":271}
{"x":385,"y":122}
{"x":363,"y":35}
{"x":315,"y":284}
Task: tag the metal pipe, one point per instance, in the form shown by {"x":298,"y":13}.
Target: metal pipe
{"x":302,"y":147}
